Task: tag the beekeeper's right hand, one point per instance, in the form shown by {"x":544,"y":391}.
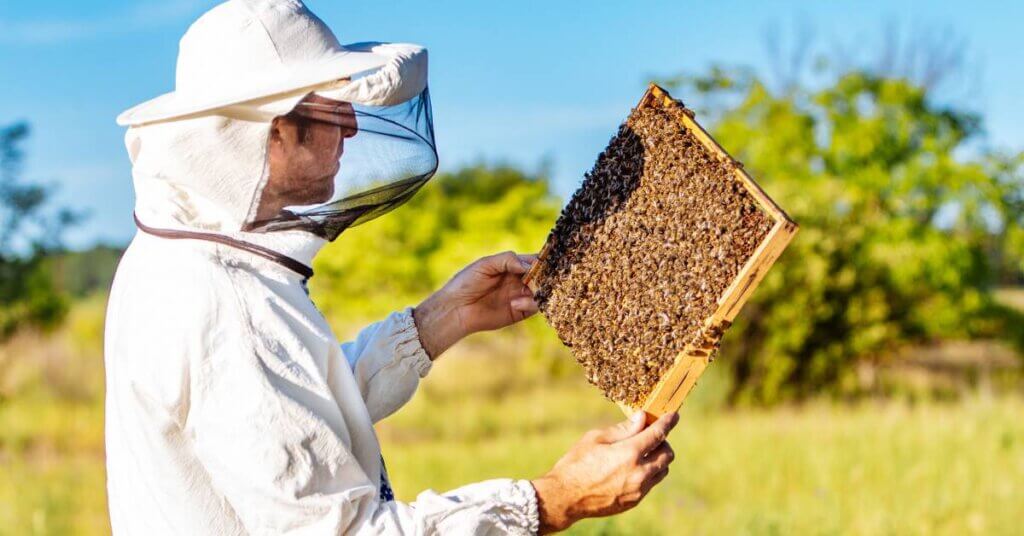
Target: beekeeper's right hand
{"x":607,"y":472}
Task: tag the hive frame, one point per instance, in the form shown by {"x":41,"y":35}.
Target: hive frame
{"x":676,"y":383}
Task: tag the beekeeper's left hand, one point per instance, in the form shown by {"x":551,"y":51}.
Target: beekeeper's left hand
{"x":487,"y":294}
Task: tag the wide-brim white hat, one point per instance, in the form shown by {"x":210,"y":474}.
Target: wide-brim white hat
{"x":248,"y":50}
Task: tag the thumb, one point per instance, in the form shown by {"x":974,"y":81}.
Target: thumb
{"x":625,"y":429}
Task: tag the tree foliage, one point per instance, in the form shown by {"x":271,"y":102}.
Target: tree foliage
{"x":27,"y":234}
{"x":905,"y":227}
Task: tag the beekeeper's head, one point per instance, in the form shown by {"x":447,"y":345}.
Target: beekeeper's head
{"x":304,"y":154}
{"x":273,"y":125}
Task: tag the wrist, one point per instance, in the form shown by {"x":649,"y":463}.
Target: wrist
{"x":553,"y":506}
{"x":437,"y":325}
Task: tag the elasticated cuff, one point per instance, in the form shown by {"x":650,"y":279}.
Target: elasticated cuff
{"x":408,"y":344}
{"x":522,"y":501}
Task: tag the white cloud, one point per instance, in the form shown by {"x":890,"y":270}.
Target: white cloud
{"x":137,"y":18}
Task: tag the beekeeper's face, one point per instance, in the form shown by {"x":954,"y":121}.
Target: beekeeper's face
{"x":305,"y":152}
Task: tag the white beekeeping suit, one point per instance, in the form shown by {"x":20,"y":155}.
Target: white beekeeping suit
{"x":231,"y":406}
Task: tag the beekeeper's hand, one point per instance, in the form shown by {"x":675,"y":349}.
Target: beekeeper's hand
{"x":607,"y":472}
{"x":487,"y":294}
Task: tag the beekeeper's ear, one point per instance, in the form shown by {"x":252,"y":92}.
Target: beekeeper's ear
{"x":277,"y":142}
{"x":275,"y":130}
{"x":288,"y":130}
{"x":283,"y":133}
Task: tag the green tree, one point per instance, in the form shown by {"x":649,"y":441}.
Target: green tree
{"x":905,"y":228}
{"x":28,"y":233}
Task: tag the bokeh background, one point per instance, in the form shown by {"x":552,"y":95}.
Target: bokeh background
{"x":872,"y":386}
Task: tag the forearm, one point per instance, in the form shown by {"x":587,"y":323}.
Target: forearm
{"x":438,"y":324}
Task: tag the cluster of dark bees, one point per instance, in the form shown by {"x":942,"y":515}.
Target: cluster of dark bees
{"x":644,"y":250}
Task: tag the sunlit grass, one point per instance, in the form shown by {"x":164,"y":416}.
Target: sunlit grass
{"x":876,"y":468}
{"x":873,"y":468}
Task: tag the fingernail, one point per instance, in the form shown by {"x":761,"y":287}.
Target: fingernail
{"x":637,"y":417}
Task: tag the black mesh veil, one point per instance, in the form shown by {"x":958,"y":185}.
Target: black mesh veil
{"x":387,"y":155}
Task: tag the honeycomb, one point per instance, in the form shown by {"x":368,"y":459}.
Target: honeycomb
{"x":641,"y":254}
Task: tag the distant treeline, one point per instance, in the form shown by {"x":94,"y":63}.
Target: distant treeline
{"x":78,"y":274}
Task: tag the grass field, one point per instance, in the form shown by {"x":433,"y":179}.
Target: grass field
{"x":873,"y":468}
{"x":823,"y":469}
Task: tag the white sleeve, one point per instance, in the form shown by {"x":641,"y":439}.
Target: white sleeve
{"x":388,"y":362}
{"x":283,"y":462}
{"x":493,"y":507}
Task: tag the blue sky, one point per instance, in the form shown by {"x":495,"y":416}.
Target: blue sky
{"x":514,"y":81}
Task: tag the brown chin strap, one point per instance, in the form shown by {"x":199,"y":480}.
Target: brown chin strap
{"x":174,"y":234}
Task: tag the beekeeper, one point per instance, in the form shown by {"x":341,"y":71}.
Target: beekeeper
{"x":231,"y":407}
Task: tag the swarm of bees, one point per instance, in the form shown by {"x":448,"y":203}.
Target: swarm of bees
{"x":644,"y":250}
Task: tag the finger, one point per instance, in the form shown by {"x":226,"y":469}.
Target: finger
{"x":653,"y":480}
{"x":623,"y":430}
{"x":659,"y":458}
{"x":524,"y":306}
{"x":505,"y":262}
{"x":655,"y":434}
{"x":528,"y":260}
{"x":523,"y":291}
